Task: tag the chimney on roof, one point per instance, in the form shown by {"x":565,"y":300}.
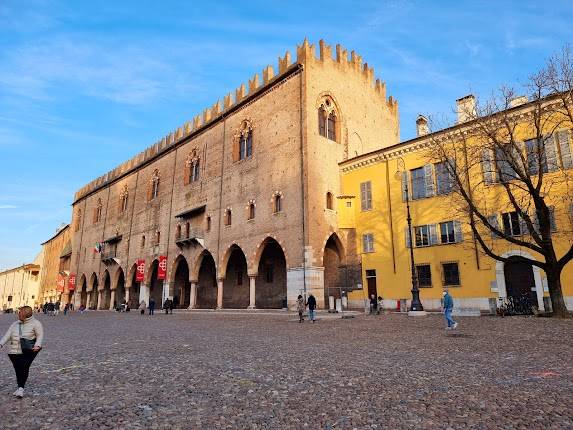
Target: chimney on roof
{"x":466,"y":108}
{"x":518,"y":101}
{"x":422,"y":128}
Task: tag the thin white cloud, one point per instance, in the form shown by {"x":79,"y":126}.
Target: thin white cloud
{"x":8,"y":207}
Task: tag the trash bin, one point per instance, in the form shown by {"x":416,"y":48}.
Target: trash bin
{"x":330,"y":303}
{"x":338,"y":305}
{"x":492,"y":306}
{"x":403,"y":305}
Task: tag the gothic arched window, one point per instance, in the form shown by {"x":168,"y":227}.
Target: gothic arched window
{"x":328,"y":119}
{"x":97,"y":211}
{"x":153,"y":191}
{"x":243,"y":145}
{"x":123,"y":198}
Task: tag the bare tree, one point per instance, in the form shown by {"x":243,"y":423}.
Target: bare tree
{"x":508,"y":157}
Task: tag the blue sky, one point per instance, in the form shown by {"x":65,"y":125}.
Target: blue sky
{"x":86,"y":85}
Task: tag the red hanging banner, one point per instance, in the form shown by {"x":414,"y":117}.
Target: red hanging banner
{"x":162,"y":267}
{"x":140,"y":272}
{"x":61,"y":283}
{"x":72,"y":282}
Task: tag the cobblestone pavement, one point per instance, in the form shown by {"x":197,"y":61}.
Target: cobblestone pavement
{"x":215,"y":370}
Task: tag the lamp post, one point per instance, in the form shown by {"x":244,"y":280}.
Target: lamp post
{"x":416,"y":307}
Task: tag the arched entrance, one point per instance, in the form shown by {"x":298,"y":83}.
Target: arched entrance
{"x":94,"y":292}
{"x":181,"y":284}
{"x":155,"y":286}
{"x":119,"y":289}
{"x":519,"y":280}
{"x":135,"y":289}
{"x":207,"y":283}
{"x":332,"y":261}
{"x":236,"y":283}
{"x":83,"y":291}
{"x":106,"y":293}
{"x":271,"y":283}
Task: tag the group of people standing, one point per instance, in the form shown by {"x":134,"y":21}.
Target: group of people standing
{"x":50,"y":308}
{"x":168,"y":306}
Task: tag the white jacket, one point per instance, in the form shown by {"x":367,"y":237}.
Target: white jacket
{"x":31,"y":329}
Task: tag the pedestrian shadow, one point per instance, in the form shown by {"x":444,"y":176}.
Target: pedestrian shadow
{"x":459,"y":335}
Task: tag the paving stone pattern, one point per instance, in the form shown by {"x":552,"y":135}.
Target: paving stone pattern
{"x":219,"y":370}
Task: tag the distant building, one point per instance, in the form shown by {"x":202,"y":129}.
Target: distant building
{"x":20,"y":286}
{"x":55,"y":273}
{"x":237,"y":208}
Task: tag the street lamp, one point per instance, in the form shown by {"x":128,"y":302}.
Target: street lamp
{"x":416,"y":307}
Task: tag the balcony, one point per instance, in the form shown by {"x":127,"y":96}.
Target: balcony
{"x":109,"y":257}
{"x":187,"y":238}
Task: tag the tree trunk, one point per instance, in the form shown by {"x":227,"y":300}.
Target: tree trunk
{"x":556,"y":294}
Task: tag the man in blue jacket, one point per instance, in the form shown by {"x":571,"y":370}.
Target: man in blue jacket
{"x":448,"y":308}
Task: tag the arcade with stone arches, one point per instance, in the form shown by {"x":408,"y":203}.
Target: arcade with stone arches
{"x":197,"y":282}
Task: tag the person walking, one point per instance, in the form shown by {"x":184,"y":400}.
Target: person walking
{"x":57,"y":308}
{"x":448,"y":308}
{"x":142,"y":308}
{"x":25,"y":338}
{"x":151,"y":306}
{"x":167,"y":305}
{"x":171,"y":306}
{"x":311,"y":303}
{"x":380,"y":305}
{"x":300,"y":307}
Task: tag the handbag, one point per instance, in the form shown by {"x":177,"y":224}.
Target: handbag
{"x":25,"y":344}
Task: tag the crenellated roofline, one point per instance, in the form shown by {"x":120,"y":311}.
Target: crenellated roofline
{"x":243,"y":95}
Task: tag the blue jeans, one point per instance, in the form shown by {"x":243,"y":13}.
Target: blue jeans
{"x":311,"y":314}
{"x":448,"y":316}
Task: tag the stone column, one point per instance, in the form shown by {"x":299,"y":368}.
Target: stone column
{"x":220,"y":293}
{"x":193,"y":298}
{"x":165,"y":294}
{"x":127,"y":290}
{"x":143,"y":294}
{"x":77,"y":299}
{"x":111,"y":300}
{"x":252,"y":291}
{"x":99,"y":300}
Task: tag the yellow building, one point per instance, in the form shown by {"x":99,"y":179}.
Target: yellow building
{"x":20,"y":286}
{"x":372,"y":201}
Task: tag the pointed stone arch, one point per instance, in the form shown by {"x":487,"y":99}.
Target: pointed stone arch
{"x":179,"y":282}
{"x":92,"y":297}
{"x":82,"y":292}
{"x":235,"y":278}
{"x":334,"y":239}
{"x":134,"y":287}
{"x":225,"y":258}
{"x":154,"y":285}
{"x":105,"y":291}
{"x":118,"y":288}
{"x":333,"y":259}
{"x":93,"y":282}
{"x":270,"y":266}
{"x":258,"y":252}
{"x":204,"y":276}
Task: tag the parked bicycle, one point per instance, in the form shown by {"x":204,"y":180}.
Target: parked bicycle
{"x":515,"y":306}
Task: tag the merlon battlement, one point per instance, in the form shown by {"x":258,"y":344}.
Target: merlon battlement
{"x":305,"y":53}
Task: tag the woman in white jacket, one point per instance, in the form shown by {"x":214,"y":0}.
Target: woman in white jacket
{"x":25,"y":338}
